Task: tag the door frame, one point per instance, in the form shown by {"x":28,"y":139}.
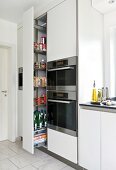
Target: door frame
{"x":12,"y":93}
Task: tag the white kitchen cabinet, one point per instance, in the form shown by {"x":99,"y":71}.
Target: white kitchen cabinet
{"x":63,"y":145}
{"x":108,"y":141}
{"x":34,"y":69}
{"x":89,"y":139}
{"x":28,"y":92}
{"x":61,"y":30}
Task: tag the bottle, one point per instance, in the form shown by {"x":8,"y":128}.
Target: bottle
{"x":94,"y":93}
{"x":99,"y":96}
{"x":41,"y":119}
{"x":38,"y":121}
{"x":35,"y":119}
{"x":35,"y":123}
{"x":107,"y":93}
{"x":103,"y":94}
{"x":45,"y":118}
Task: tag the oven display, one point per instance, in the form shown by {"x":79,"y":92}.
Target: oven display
{"x":60,"y":95}
{"x":61,"y":63}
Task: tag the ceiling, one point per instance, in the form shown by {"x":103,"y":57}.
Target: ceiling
{"x":12,"y":10}
{"x":103,"y":6}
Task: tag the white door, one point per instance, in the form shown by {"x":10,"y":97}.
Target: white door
{"x":3,"y":93}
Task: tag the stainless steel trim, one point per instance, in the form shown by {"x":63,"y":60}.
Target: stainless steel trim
{"x":71,"y":61}
{"x":66,"y":88}
{"x":62,"y":88}
{"x":59,"y":101}
{"x":62,"y":68}
{"x":71,"y":94}
{"x":63,"y":130}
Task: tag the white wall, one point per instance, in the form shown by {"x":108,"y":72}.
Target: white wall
{"x":90,"y":36}
{"x":8,"y":32}
{"x":8,"y":38}
{"x":109,"y":23}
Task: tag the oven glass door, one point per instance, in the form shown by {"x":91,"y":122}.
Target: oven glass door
{"x":63,"y":78}
{"x":62,"y":114}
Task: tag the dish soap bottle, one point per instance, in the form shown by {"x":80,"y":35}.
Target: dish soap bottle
{"x":94,"y":93}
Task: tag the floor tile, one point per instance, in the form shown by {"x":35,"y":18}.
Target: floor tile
{"x":7,"y":165}
{"x":68,"y":168}
{"x":41,"y":154}
{"x":28,"y":168}
{"x":14,"y":157}
{"x":19,"y":161}
{"x":17,"y":149}
{"x":48,"y":163}
{"x":30,"y":157}
{"x":52,"y":166}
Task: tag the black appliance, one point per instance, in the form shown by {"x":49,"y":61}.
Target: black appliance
{"x":62,"y":74}
{"x":62,"y":95}
{"x":20,"y":78}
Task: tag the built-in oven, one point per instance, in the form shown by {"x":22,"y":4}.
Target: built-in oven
{"x":62,"y":111}
{"x":61,"y":74}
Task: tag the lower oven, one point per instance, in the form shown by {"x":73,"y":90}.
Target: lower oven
{"x":62,"y":112}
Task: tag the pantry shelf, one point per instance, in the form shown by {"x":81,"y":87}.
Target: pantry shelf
{"x":39,"y":52}
{"x":39,"y":86}
{"x":42,"y":105}
{"x":40,"y":130}
{"x":39,"y":69}
{"x":40,"y":28}
{"x":40,"y":82}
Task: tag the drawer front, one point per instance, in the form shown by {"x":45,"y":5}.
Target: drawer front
{"x":63,"y":145}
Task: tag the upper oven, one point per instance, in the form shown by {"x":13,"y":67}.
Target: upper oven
{"x":62,"y":74}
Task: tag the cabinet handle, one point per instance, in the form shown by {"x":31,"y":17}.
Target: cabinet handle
{"x":63,"y":68}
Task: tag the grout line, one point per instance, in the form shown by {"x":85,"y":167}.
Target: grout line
{"x":13,"y":163}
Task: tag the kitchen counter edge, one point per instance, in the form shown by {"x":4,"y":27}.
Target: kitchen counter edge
{"x":90,"y":106}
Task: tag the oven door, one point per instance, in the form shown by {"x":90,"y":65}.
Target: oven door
{"x":62,"y":74}
{"x":63,"y":78}
{"x":62,"y":115}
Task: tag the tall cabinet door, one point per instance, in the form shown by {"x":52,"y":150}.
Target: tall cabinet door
{"x":61,"y":31}
{"x":89,"y":139}
{"x":28,"y":35}
{"x":108,"y":141}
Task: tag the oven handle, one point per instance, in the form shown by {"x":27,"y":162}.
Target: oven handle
{"x":62,"y":68}
{"x":59,"y":101}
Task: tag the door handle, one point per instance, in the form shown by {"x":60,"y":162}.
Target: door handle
{"x":62,"y":68}
{"x":59,"y":101}
{"x":4,"y":91}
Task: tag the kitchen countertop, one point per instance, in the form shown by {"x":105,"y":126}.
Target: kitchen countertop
{"x":88,"y":104}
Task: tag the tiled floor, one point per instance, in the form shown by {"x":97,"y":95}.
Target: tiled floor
{"x":13,"y":157}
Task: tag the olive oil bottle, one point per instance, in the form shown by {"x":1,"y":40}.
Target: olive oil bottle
{"x":94,"y":93}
